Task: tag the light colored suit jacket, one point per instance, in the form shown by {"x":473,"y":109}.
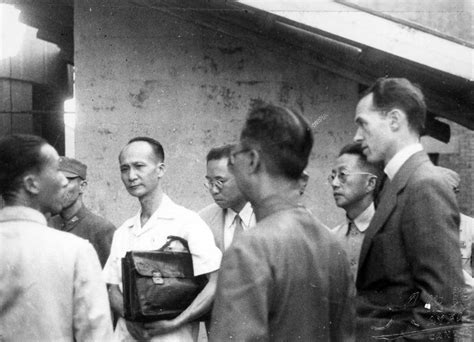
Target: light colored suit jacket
{"x":51,"y":288}
{"x":410,"y":275}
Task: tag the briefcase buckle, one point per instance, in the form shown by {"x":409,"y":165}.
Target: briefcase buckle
{"x":157,"y":278}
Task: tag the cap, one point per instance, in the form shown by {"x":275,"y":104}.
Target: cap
{"x":72,"y":167}
{"x":452,"y":177}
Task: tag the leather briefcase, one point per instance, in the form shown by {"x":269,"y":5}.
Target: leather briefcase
{"x":159,"y":284}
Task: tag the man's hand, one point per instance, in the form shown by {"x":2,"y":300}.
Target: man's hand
{"x":145,"y":331}
{"x":160,"y":327}
{"x":137,"y":330}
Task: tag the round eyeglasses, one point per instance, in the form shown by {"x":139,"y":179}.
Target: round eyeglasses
{"x":218,"y":183}
{"x":342,"y":176}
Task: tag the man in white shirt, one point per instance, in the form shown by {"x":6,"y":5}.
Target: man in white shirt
{"x":50,"y":283}
{"x":142,"y":167}
{"x":410,"y":277}
{"x":231,"y":213}
{"x":354,"y":182}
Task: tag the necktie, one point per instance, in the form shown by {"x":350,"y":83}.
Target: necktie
{"x":239,"y":228}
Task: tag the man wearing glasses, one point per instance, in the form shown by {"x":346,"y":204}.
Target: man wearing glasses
{"x":354,"y":183}
{"x":287,"y":278}
{"x":231,"y":214}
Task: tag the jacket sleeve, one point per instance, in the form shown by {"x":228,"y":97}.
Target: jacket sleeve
{"x":92,"y":317}
{"x":241,"y":308}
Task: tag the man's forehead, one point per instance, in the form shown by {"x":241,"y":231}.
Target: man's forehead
{"x":347,"y":160}
{"x":137,"y":150}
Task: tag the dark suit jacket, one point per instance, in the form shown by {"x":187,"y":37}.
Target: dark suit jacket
{"x":214,"y":216}
{"x":285,"y":280}
{"x":410,"y":275}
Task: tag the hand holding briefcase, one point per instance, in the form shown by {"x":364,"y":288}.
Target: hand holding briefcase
{"x":159,"y":284}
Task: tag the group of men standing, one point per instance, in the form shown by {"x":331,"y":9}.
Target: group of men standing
{"x":391,"y":271}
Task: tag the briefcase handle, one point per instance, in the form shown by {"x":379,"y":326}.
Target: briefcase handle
{"x":172,"y":238}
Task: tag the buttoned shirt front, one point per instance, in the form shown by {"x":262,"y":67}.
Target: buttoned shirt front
{"x":352,"y":239}
{"x":248,"y":220}
{"x":168,"y":219}
{"x":400,"y":158}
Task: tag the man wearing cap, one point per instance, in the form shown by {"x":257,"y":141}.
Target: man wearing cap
{"x":75,"y":217}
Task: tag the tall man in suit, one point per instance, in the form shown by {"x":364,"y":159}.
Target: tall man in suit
{"x":410,"y":278}
{"x":231,"y":213}
{"x":287,"y":278}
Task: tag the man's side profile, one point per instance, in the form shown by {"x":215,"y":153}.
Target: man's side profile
{"x":354,"y":182}
{"x":231,"y":213}
{"x":75,"y":217}
{"x":410,"y":277}
{"x":142,"y":167}
{"x":287,"y":278}
{"x":50,"y":281}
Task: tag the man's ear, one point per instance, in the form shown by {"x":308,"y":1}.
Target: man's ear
{"x":371,"y":183}
{"x":161,"y":170}
{"x":396,"y":117}
{"x":30,"y":183}
{"x":255,"y":161}
{"x":82,"y":186}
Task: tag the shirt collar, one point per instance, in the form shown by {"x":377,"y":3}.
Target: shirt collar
{"x":400,"y":158}
{"x":166,"y":210}
{"x":363,"y":220}
{"x":245,"y":214}
{"x":19,"y":213}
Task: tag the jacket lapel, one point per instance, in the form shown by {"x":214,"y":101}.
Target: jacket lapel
{"x":388,"y":200}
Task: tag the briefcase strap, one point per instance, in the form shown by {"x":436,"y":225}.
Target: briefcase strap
{"x":172,"y":238}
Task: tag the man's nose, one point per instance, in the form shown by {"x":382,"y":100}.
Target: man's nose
{"x":132,"y":174}
{"x":358,"y":136}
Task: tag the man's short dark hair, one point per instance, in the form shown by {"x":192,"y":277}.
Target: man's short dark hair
{"x":155,"y":145}
{"x":374,"y":168}
{"x":218,"y":153}
{"x":19,"y":154}
{"x":283,"y":136}
{"x":389,"y":93}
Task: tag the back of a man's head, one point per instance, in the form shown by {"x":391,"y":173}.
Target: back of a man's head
{"x":283,"y":137}
{"x":390,"y":93}
{"x":18,"y":155}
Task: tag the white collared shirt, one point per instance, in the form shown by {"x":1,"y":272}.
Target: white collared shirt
{"x":352,"y":241}
{"x":400,"y":158}
{"x":248,"y":221}
{"x":168,"y":219}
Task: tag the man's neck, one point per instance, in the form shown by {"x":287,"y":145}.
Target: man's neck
{"x":72,"y":210}
{"x":400,"y":143}
{"x":353,"y":211}
{"x":238,"y":208}
{"x":275,"y":194}
{"x":149,"y":204}
{"x":22,"y":200}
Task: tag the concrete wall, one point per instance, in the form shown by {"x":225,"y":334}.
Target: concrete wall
{"x":142,"y":72}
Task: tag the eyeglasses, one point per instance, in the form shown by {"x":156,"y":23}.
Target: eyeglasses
{"x":342,"y":176}
{"x":218,"y":183}
{"x":234,"y":153}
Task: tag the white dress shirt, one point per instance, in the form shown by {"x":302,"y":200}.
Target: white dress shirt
{"x":248,"y":221}
{"x":352,"y":240}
